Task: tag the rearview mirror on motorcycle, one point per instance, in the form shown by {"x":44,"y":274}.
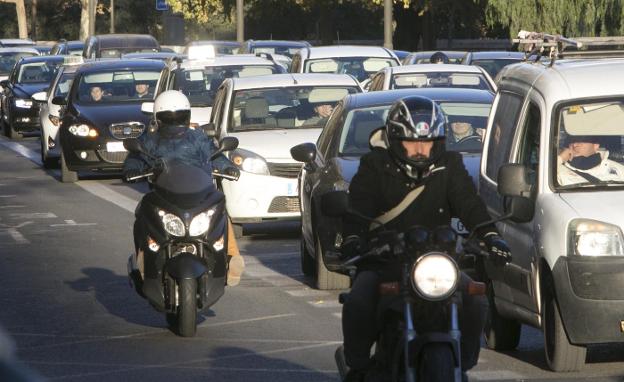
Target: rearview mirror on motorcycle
{"x":225,"y":144}
{"x":147,"y":107}
{"x":133,"y":145}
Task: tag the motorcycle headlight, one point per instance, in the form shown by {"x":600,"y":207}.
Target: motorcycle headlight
{"x":173,"y":224}
{"x":249,"y":162}
{"x":435,"y":276}
{"x":82,"y":130}
{"x":200,"y":223}
{"x":594,"y":238}
{"x":23,"y":103}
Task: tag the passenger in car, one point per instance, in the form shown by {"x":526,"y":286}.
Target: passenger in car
{"x":142,"y":90}
{"x":583,"y":161}
{"x":464,"y":136}
{"x":96,"y":93}
{"x":322,"y":112}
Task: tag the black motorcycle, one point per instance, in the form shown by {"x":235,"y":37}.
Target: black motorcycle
{"x":419,"y":337}
{"x":183,"y":226}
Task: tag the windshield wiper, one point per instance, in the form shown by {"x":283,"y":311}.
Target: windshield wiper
{"x":593,"y":184}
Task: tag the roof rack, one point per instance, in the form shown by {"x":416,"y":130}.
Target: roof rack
{"x":539,"y":44}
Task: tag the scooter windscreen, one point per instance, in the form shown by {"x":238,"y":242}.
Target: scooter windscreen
{"x":184,"y":185}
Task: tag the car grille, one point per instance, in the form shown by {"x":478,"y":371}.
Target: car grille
{"x":284,"y":204}
{"x":112,"y":157}
{"x":126,"y":130}
{"x":285,"y":170}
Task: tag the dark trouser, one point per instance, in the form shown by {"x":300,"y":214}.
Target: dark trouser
{"x":360,"y":330}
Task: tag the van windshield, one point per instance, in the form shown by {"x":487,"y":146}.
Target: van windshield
{"x":590,"y":145}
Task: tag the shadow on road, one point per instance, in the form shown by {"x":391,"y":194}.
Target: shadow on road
{"x":113,"y":292}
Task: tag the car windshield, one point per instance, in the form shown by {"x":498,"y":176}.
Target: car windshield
{"x":467,"y":122}
{"x":493,"y":66}
{"x":288,"y":51}
{"x":200,"y":85}
{"x":285,"y":108}
{"x":427,"y":60}
{"x":37,"y":72}
{"x":359,"y":67}
{"x":75,"y":52}
{"x":63,"y":85}
{"x":590,"y":145}
{"x":8,"y":60}
{"x":117,"y":52}
{"x":440,"y":80}
{"x":117,"y":86}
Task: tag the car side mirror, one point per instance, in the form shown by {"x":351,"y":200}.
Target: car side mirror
{"x":209,"y":129}
{"x":133,"y":145}
{"x":39,"y":97}
{"x":335,"y":203}
{"x":304,"y":152}
{"x":59,"y":100}
{"x":147,"y":107}
{"x":228,"y":143}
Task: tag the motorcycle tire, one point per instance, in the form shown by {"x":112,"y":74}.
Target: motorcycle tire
{"x":436,"y":363}
{"x":186,"y":317}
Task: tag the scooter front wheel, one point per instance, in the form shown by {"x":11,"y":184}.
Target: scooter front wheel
{"x":184,"y":321}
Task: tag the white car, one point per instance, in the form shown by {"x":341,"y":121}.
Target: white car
{"x":200,"y":79}
{"x":269,"y":115}
{"x":49,"y":113}
{"x":358,"y":61}
{"x":432,"y":76}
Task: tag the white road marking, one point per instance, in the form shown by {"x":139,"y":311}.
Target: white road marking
{"x":7,"y":196}
{"x":72,"y":223}
{"x":34,"y":215}
{"x":338,"y":314}
{"x":325,"y":304}
{"x":307,"y":292}
{"x":22,"y":150}
{"x":103,"y":192}
{"x":12,"y":206}
{"x":494,"y":375}
{"x":244,"y":321}
{"x":14,"y":233}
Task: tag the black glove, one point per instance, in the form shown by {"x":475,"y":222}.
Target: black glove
{"x":351,"y":247}
{"x":131,"y":174}
{"x":498,"y":248}
{"x":232,"y":171}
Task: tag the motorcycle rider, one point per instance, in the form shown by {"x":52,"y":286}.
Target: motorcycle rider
{"x":173,"y":138}
{"x":407,"y":153}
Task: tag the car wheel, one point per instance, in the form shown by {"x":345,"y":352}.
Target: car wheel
{"x":67,"y":176}
{"x":307,"y":261}
{"x":47,"y":162}
{"x":501,"y":333}
{"x":561,"y":355}
{"x":325,"y":279}
{"x":12,"y":133}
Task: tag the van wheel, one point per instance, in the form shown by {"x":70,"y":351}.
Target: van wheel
{"x":326,"y":280}
{"x":307,"y":261}
{"x":501,"y":333}
{"x":67,"y":176}
{"x":561,"y":355}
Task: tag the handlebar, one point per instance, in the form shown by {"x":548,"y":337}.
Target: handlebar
{"x":145,"y":175}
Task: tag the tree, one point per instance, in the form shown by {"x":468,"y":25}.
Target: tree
{"x":201,"y":11}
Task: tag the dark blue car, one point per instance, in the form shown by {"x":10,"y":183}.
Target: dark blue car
{"x":332,"y":162}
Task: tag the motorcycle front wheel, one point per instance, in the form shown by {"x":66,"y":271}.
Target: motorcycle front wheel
{"x":436,"y":363}
{"x":184,"y":321}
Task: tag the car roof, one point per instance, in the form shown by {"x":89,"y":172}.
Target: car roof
{"x":293,"y":79}
{"x":27,"y":60}
{"x":347,"y":51}
{"x":566,"y":79}
{"x":498,"y":54}
{"x":228,"y":60}
{"x":433,"y":68}
{"x":19,"y":49}
{"x":74,"y":43}
{"x":360,"y":100}
{"x":149,"y":55}
{"x":449,"y":53}
{"x":16,"y":41}
{"x":115,"y":64}
{"x":267,"y":43}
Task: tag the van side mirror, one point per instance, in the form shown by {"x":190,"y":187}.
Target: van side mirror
{"x":335,"y":203}
{"x":514,"y":185}
{"x":59,"y":100}
{"x":304,"y":152}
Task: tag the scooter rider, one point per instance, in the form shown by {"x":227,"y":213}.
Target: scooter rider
{"x":174,"y":139}
{"x":409,"y":152}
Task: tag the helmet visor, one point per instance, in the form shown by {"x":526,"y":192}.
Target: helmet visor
{"x":174,"y":118}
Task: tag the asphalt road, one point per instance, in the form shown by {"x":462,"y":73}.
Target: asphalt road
{"x":68,"y":306}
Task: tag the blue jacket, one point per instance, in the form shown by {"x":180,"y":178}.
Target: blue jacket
{"x":193,"y":148}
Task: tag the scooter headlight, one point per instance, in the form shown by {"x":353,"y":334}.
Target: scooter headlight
{"x":200,"y":223}
{"x":435,"y":276}
{"x":173,"y":225}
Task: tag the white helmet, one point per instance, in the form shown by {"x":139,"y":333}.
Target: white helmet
{"x":172,"y":111}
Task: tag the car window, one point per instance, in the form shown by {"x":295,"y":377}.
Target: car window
{"x":37,"y":72}
{"x":328,"y":133}
{"x":467,"y":122}
{"x":357,"y":127}
{"x":117,"y":86}
{"x":440,"y":80}
{"x":63,"y":85}
{"x":286,"y":107}
{"x":529,"y":145}
{"x":590,"y":144}
{"x":359,"y":67}
{"x":8,"y":60}
{"x":503,"y":127}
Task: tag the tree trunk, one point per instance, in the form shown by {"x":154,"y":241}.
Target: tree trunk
{"x":33,"y":21}
{"x":84,"y":19}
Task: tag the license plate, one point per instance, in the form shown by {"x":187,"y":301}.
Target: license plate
{"x":114,"y":147}
{"x":291,"y":189}
{"x":458,"y":226}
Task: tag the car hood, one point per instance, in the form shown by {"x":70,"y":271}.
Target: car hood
{"x":275,"y":144}
{"x":103,"y":115}
{"x":597,"y":205}
{"x":26,"y":91}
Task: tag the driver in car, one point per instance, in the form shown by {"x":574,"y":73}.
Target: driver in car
{"x":464,"y":136}
{"x":583,"y":161}
{"x":321,"y":114}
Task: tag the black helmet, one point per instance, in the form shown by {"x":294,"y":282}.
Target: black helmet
{"x":439,"y":58}
{"x":415,"y":118}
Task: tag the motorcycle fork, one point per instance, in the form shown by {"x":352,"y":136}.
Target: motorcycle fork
{"x":455,"y":333}
{"x":410,"y":332}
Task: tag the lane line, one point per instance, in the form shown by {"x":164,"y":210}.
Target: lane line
{"x":244,"y":321}
{"x":21,"y":150}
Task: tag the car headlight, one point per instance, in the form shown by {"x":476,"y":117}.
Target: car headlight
{"x":173,"y":224}
{"x":594,"y":238}
{"x":249,"y":162}
{"x":435,"y":276}
{"x":200,"y":223}
{"x":82,"y":130}
{"x":23,"y":103}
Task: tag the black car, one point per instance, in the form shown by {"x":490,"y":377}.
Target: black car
{"x":162,"y":56}
{"x":102,"y":109}
{"x":332,"y":162}
{"x":68,"y":48}
{"x":492,"y":61}
{"x":286,"y":48}
{"x":114,"y":45}
{"x":30,"y":75}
